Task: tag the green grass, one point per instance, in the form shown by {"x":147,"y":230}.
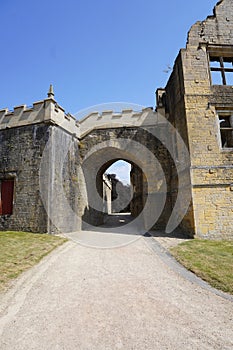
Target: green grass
{"x":210,"y":260}
{"x":21,"y":250}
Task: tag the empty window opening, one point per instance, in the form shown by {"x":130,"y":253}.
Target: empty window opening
{"x":6,"y":196}
{"x":221,"y":70}
{"x":226,"y":129}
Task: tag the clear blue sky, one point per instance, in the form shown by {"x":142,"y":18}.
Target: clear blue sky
{"x":93,"y":51}
{"x":122,"y":171}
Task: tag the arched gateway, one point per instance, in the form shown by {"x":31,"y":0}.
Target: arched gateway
{"x":51,"y":166}
{"x":65,"y":160}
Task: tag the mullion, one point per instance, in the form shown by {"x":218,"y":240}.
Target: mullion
{"x":222,"y":70}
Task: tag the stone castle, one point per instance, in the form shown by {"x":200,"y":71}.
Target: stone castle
{"x":52,"y":166}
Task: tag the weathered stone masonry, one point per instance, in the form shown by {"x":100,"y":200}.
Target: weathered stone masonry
{"x":197,"y":100}
{"x":194,"y":103}
{"x":20,"y":153}
{"x":24,"y":134}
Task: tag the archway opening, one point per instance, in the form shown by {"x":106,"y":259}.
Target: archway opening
{"x":117,"y":187}
{"x":95,"y":165}
{"x":123,"y":187}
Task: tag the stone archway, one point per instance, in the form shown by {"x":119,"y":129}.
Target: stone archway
{"x":137,"y":189}
{"x":154,"y":188}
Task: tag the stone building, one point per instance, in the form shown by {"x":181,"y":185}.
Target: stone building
{"x":52,"y":166}
{"x":199,"y":102}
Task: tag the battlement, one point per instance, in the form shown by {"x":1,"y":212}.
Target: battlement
{"x":110,"y":119}
{"x":45,"y":111}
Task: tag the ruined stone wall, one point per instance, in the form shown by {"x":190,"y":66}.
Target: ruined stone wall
{"x":176,"y":114}
{"x":61,"y":188}
{"x":211,"y":165}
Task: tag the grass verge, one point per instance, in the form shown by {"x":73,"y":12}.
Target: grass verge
{"x":210,"y":260}
{"x":21,"y":250}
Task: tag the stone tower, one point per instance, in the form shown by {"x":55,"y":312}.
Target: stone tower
{"x":199,"y":102}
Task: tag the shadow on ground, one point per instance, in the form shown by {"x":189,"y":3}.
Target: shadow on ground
{"x":121,"y":229}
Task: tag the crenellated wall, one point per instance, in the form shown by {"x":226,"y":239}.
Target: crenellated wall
{"x":127,"y":118}
{"x":55,"y":160}
{"x":25,"y":135}
{"x":45,"y":111}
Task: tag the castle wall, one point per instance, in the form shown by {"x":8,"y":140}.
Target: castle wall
{"x":176,"y":114}
{"x":20,"y":154}
{"x":61,"y":181}
{"x":203,"y":100}
{"x":100,"y":146}
{"x":53,"y":161}
{"x":39,"y":154}
{"x":46,"y":180}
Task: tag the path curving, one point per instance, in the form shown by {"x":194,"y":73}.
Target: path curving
{"x":124,"y":298}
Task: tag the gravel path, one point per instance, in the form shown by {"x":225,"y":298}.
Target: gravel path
{"x":99,"y":299}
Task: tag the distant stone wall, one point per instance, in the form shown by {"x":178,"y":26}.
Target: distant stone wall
{"x":120,"y":195}
{"x":107,"y":195}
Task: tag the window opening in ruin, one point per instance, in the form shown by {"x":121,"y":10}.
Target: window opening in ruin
{"x":226,"y":129}
{"x":6,"y":196}
{"x":221,"y":70}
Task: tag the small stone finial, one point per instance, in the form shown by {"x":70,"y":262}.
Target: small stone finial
{"x":50,"y":93}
